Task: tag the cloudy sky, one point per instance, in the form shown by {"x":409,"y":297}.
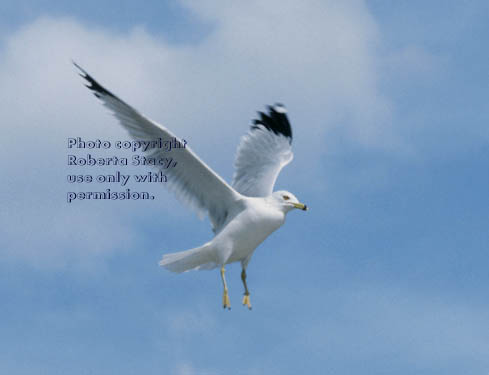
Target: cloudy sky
{"x":388,"y":271}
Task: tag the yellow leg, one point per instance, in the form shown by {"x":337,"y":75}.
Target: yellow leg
{"x":225,"y":297}
{"x":246,"y":298}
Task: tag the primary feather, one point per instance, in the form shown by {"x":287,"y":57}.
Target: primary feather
{"x":192,"y":181}
{"x":263,"y":152}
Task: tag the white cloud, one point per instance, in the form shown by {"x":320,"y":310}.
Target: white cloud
{"x":319,"y":58}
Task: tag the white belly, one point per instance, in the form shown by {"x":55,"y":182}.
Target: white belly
{"x":246,"y":231}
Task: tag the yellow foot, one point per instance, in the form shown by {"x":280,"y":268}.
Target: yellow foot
{"x":246,"y":301}
{"x":225,"y":301}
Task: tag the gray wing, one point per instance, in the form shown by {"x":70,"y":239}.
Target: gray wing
{"x":192,"y":181}
{"x":263,"y":152}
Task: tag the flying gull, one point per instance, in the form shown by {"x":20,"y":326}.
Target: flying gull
{"x":243,"y":214}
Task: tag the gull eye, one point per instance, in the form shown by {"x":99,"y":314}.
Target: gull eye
{"x":286,"y":197}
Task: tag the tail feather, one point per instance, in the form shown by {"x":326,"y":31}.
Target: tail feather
{"x":182,"y":261}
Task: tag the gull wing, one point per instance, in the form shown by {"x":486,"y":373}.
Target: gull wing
{"x":263,"y":152}
{"x":191,"y":180}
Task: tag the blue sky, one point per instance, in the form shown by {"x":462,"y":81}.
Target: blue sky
{"x":387,"y":273}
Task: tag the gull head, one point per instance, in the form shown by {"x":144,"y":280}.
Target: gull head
{"x":287,"y":201}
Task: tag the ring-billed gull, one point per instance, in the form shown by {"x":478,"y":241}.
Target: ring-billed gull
{"x":242,"y":215}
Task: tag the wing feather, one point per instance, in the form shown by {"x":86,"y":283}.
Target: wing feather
{"x":191,"y":180}
{"x":263,"y":152}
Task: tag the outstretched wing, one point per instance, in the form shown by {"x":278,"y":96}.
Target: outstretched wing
{"x":263,"y":152}
{"x":191,"y":179}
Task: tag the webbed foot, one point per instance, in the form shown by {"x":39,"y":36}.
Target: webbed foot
{"x":246,"y":301}
{"x":225,"y":301}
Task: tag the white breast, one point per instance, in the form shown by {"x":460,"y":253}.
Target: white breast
{"x":248,"y":229}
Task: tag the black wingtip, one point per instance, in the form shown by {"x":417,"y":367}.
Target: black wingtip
{"x":83,"y":72}
{"x":276,"y":120}
{"x":97,"y":89}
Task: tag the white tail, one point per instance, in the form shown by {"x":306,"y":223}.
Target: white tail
{"x":198,"y":258}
